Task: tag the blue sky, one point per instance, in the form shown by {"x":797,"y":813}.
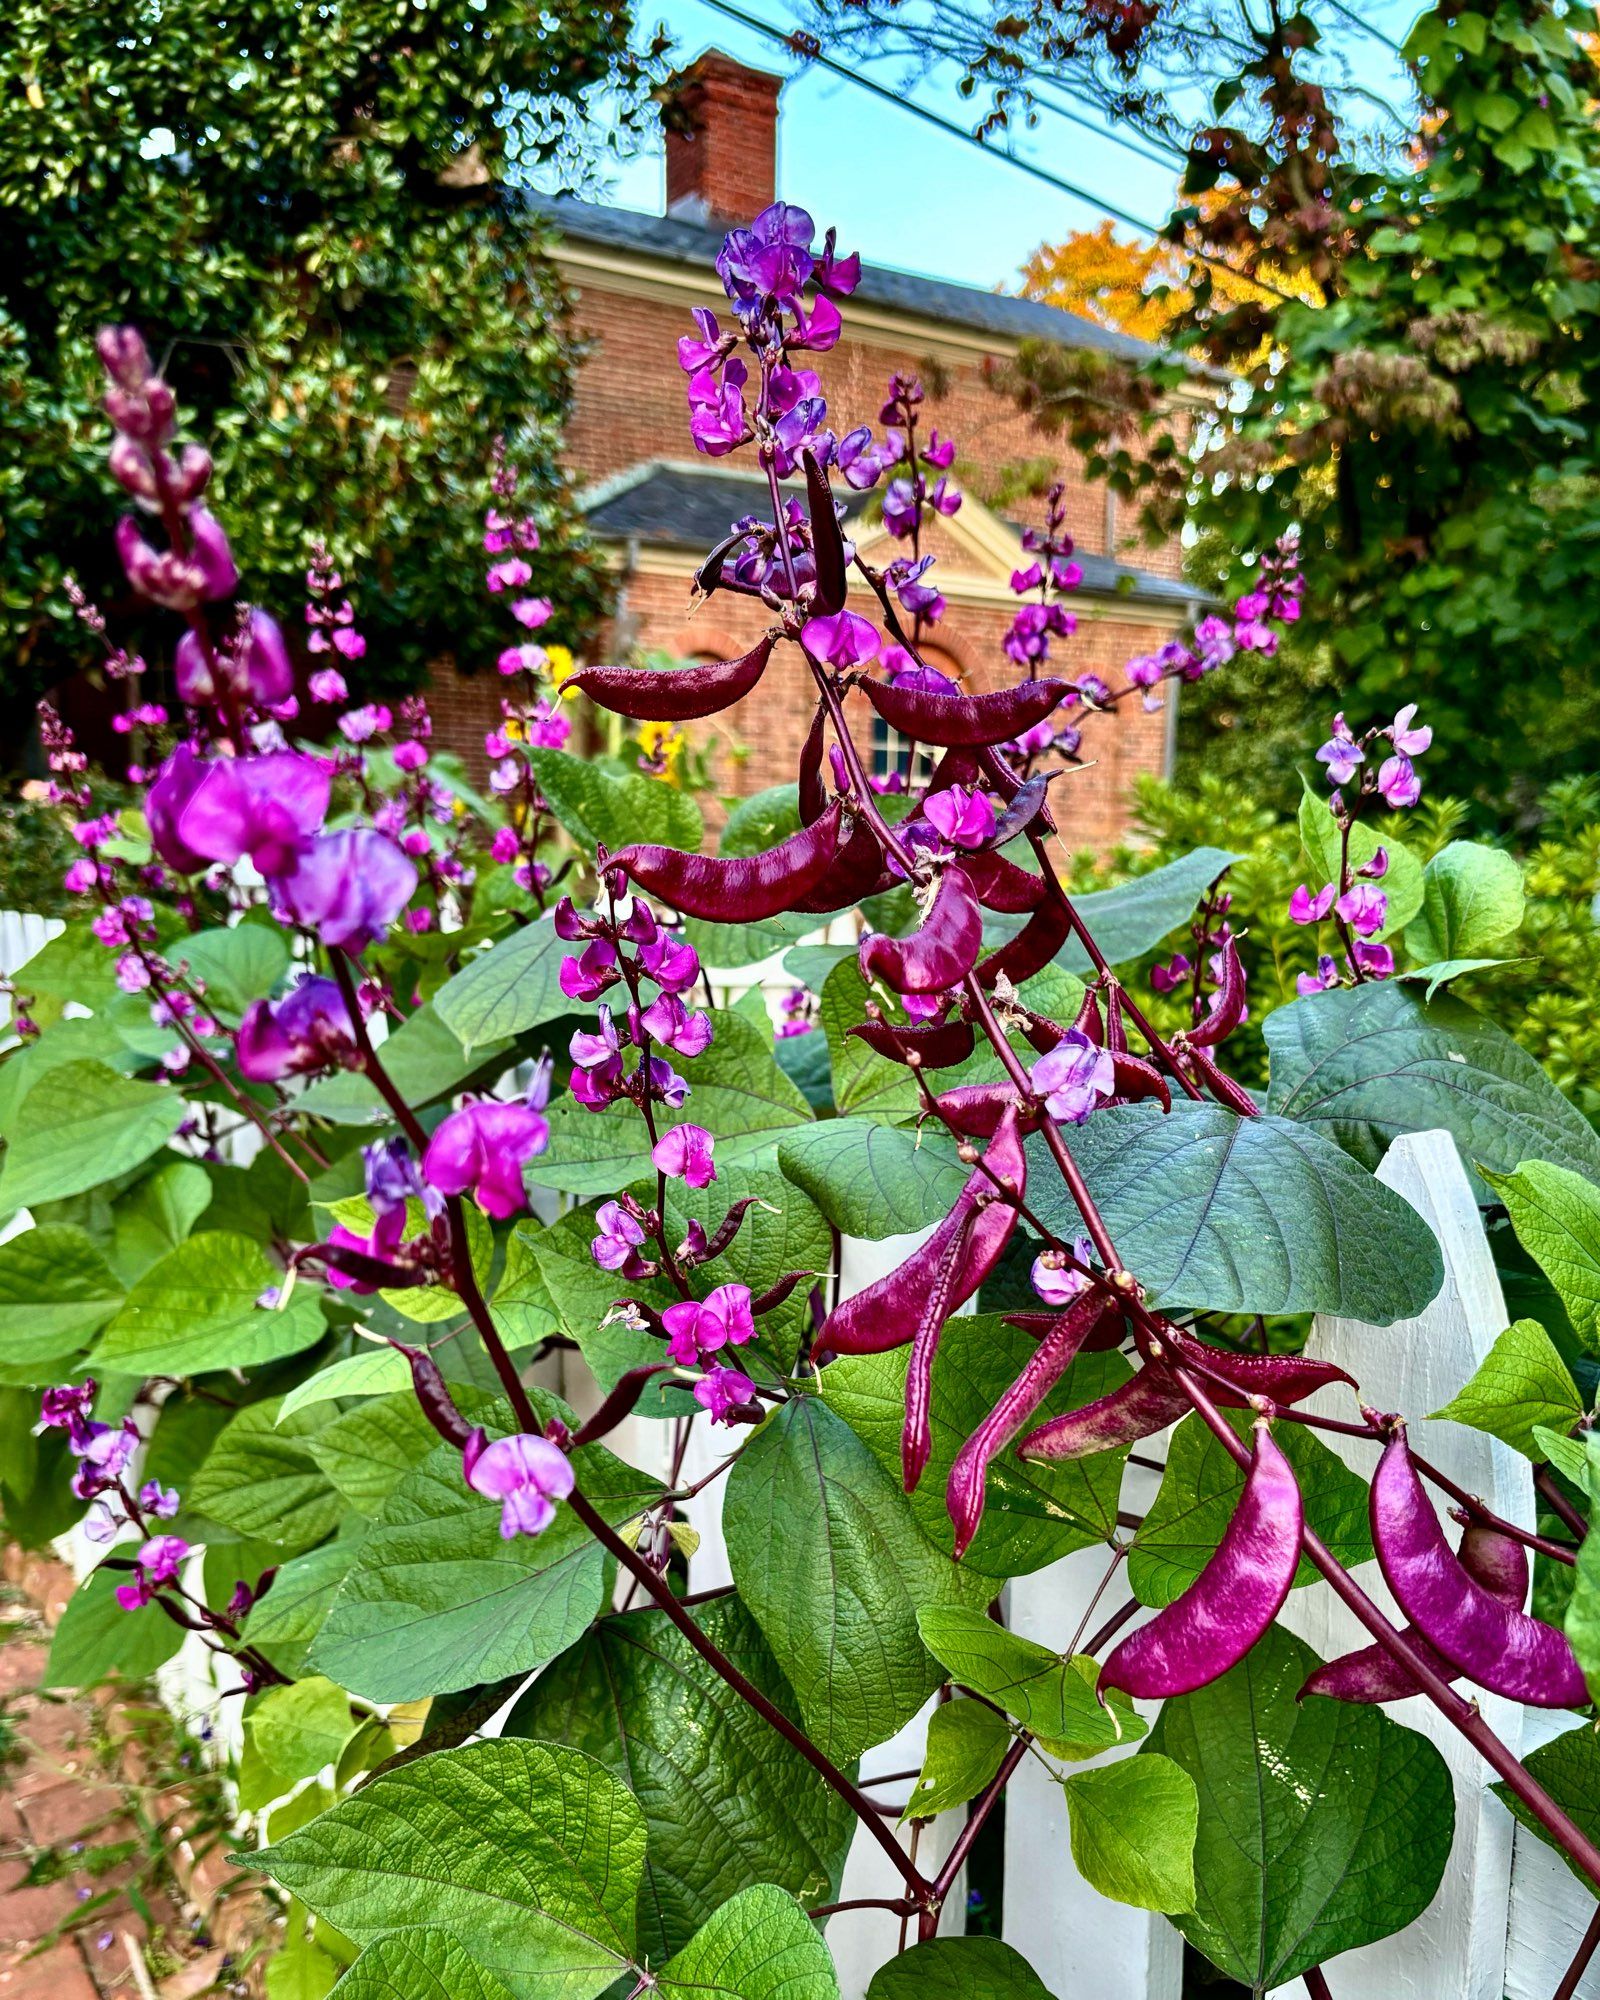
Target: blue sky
{"x":907,"y":195}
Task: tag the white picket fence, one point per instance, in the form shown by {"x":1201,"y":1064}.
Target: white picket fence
{"x":1508,"y":1916}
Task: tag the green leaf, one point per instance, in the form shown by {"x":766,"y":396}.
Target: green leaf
{"x":727,"y":1802}
{"x":156,"y":1216}
{"x":1250,"y":1215}
{"x":423,"y":1058}
{"x":582,"y":1295}
{"x":1133,"y":918}
{"x":863,"y":1081}
{"x":262,"y":1479}
{"x":958,"y":1968}
{"x":1441,"y":972}
{"x":508,"y":989}
{"x":1402,"y":882}
{"x":73,"y":965}
{"x":196,"y":1311}
{"x":1200,"y":1489}
{"x":1556,"y":1215}
{"x":79,"y":1125}
{"x":827,"y":1554}
{"x":1568,"y":1767}
{"x":874,"y":1180}
{"x":301,"y":1729}
{"x":369,"y":1450}
{"x":1472,"y":901}
{"x":738,"y":1093}
{"x":97,"y":1638}
{"x":1521,"y":1384}
{"x":1134,"y":1823}
{"x":436,"y":1600}
{"x":759,"y":1946}
{"x":1338,"y":1838}
{"x":1366,"y":1064}
{"x":238,"y":964}
{"x":55,"y":1291}
{"x":1049,"y":1693}
{"x":1037,"y":1511}
{"x":966,"y":1743}
{"x":527,"y":1855}
{"x":598,"y":808}
{"x":1583,"y":1608}
{"x":418,"y":1965}
{"x":290,"y":1616}
{"x":1567,"y":1454}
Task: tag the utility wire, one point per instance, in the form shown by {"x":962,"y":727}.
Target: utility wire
{"x":1367,"y":27}
{"x":956,"y":130}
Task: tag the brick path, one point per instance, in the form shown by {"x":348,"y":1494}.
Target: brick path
{"x":70,"y":1783}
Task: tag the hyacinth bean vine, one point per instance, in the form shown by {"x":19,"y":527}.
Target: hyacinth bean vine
{"x":385,"y":1106}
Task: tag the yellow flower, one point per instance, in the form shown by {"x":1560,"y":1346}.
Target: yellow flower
{"x":514,"y":729}
{"x":662,"y":741}
{"x":561,"y":666}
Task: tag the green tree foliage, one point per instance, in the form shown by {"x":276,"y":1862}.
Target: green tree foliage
{"x":312,"y":214}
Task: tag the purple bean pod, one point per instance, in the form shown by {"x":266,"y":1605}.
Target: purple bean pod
{"x":1067,"y":1334}
{"x":941,"y":951}
{"x":976,"y":1109}
{"x":741,"y":890}
{"x":1373,"y":1674}
{"x":1282,"y":1378}
{"x":1033,"y":947}
{"x":1023,"y":810}
{"x":935,"y":1044}
{"x":813,"y":792}
{"x":1091,"y":1021}
{"x":676,"y":694}
{"x":1210,"y":1628}
{"x":964,"y":721}
{"x":1102,"y":1337}
{"x":728,"y":1228}
{"x":916,"y":1433}
{"x":433,"y":1396}
{"x":1493,"y":1643}
{"x":1137,"y":1079}
{"x":1233,"y":1096}
{"x":1229,"y":1008}
{"x":855,"y":872}
{"x":1002,"y":885}
{"x":827,"y":543}
{"x":1138,"y":1409}
{"x":887,"y":1313}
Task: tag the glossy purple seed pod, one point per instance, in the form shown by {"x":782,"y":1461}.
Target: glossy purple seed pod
{"x":735,"y":890}
{"x":1233,"y":1600}
{"x":1495,"y":1644}
{"x":1102,"y":1337}
{"x":887,"y":1313}
{"x":1032,"y":949}
{"x":855,"y":872}
{"x":941,"y":951}
{"x":433,"y":1397}
{"x":1137,"y":1079}
{"x":675,"y":694}
{"x":1138,"y":1409}
{"x":976,"y":1109}
{"x":827,"y":543}
{"x":1229,"y":1008}
{"x":1373,"y":1674}
{"x":1283,"y":1378}
{"x":1023,"y":810}
{"x":1003,"y":886}
{"x":964,"y":721}
{"x":1233,"y":1096}
{"x":812,"y":791}
{"x":1065,"y":1337}
{"x":935,"y":1044}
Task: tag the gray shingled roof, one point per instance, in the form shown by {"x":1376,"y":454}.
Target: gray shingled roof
{"x":675,"y":241}
{"x":668,"y":503}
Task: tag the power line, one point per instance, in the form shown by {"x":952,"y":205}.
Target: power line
{"x":1366,"y":27}
{"x":958,"y":131}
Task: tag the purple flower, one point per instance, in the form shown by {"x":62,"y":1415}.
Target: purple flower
{"x":1325,"y":976}
{"x":266,"y":807}
{"x":587,"y":976}
{"x":309,"y":1028}
{"x":671,"y":1024}
{"x":1073,"y":1077}
{"x":482,"y":1148}
{"x":943,"y":498}
{"x":667,"y":1086}
{"x":67,"y":1408}
{"x":1364,"y":909}
{"x":529,"y":1474}
{"x":1304,"y":908}
{"x":1407,"y":741}
{"x":710,"y":346}
{"x":348,"y":887}
{"x":835,"y":274}
{"x":721,"y":1391}
{"x":771,"y":259}
{"x":162,"y":1501}
{"x":939,"y":452}
{"x":253,"y":666}
{"x":159,"y":1562}
{"x":965,"y":818}
{"x":844,"y":640}
{"x":1398,"y":781}
{"x":327,"y":684}
{"x":685,"y":1153}
{"x":179,"y":582}
{"x":1169,"y":977}
{"x":718,"y":420}
{"x":1375,"y":869}
{"x":703,"y":1326}
{"x":1342,"y":754}
{"x":900,"y":508}
{"x":1054,"y":1280}
{"x":858,"y":459}
{"x":618,"y":1238}
{"x":1375,"y":960}
{"x":590,"y":1051}
{"x":916,"y":597}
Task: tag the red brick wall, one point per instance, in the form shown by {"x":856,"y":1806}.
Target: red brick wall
{"x":722,"y":145}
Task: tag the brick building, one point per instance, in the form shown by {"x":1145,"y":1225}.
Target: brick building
{"x":657,"y":508}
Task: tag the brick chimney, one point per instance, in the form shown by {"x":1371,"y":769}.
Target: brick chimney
{"x":722,"y":141}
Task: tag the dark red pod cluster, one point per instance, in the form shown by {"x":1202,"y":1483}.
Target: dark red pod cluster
{"x":1373,"y":1674}
{"x":933,"y":1044}
{"x":676,"y":694}
{"x":1491,"y":1641}
{"x":1210,"y":1628}
{"x":1033,"y":948}
{"x":740,"y":889}
{"x":1003,"y":886}
{"x":943,"y":948}
{"x":964,"y":721}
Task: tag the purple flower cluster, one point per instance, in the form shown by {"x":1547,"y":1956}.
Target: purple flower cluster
{"x":104,"y":1453}
{"x":1217,"y":639}
{"x":1044,"y":584}
{"x":526,"y":1473}
{"x":481,"y":1148}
